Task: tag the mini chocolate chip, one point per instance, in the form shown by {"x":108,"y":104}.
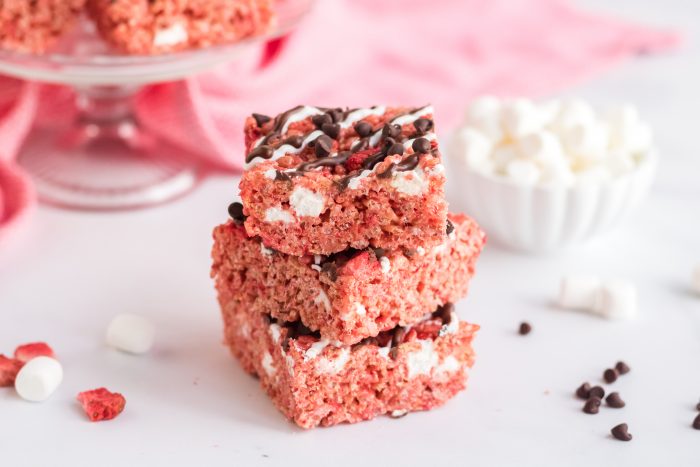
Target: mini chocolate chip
{"x":319,"y":120}
{"x":323,"y":146}
{"x":696,"y":423}
{"x":399,"y":334}
{"x":261,"y":119}
{"x":620,"y":432}
{"x":363,"y":129}
{"x":336,"y":115}
{"x":525,"y":328}
{"x":282,"y":177}
{"x":396,"y":148}
{"x":583,"y":391}
{"x":592,"y":406}
{"x":235,"y":210}
{"x":379,"y":252}
{"x":423,"y":125}
{"x":622,"y":368}
{"x":610,"y":375}
{"x":391,"y":131}
{"x":698,"y":406}
{"x":614,"y":400}
{"x":421,"y":146}
{"x":331,"y":269}
{"x":450,"y":227}
{"x":596,"y":391}
{"x":331,"y":129}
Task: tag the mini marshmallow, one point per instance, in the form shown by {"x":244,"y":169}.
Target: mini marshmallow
{"x":573,"y":112}
{"x":520,"y":117}
{"x":557,"y":173}
{"x":616,"y":299}
{"x":586,"y":139}
{"x":579,"y":292}
{"x":502,"y":156}
{"x":484,"y":115}
{"x":473,"y":145}
{"x":38,"y":379}
{"x":542,"y":146}
{"x":695,"y":281}
{"x":130,"y":333}
{"x":523,"y":172}
{"x":594,"y":175}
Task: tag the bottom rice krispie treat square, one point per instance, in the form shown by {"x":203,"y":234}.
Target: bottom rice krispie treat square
{"x":317,"y":382}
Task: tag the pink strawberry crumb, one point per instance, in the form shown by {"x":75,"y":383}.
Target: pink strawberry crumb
{"x":101,"y":404}
{"x":26,"y":352}
{"x":9,"y":367}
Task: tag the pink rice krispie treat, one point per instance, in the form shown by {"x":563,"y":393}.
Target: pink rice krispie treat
{"x":351,"y":295}
{"x":315,"y":382}
{"x":158,"y":26}
{"x":320,"y":181}
{"x":35,"y":25}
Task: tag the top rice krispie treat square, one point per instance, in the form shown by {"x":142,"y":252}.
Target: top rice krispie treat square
{"x":319,"y":180}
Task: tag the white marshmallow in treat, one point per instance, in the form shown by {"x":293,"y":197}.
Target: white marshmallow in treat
{"x":579,"y":292}
{"x":38,"y":379}
{"x":616,"y":299}
{"x":131,"y":333}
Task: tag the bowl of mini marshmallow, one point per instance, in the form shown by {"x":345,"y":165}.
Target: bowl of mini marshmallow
{"x":543,"y":176}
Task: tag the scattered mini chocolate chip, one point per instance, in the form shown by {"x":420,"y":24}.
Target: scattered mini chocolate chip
{"x":331,"y":269}
{"x":583,"y":391}
{"x":525,"y":328}
{"x":261,"y":119}
{"x":421,"y":146}
{"x":620,"y":432}
{"x":282,"y":177}
{"x":592,"y":406}
{"x":696,"y":422}
{"x":363,"y":129}
{"x":331,"y":129}
{"x":698,"y":406}
{"x":614,"y":400}
{"x":596,"y":391}
{"x":319,"y":120}
{"x":323,"y":146}
{"x":235,"y":210}
{"x":622,"y":368}
{"x":396,"y":148}
{"x":390,"y":131}
{"x":610,"y":375}
{"x":423,"y":125}
{"x":450,"y":227}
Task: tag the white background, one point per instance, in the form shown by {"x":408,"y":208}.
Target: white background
{"x":189,"y":402}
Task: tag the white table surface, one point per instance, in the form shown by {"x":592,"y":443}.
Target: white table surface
{"x":189,"y":402}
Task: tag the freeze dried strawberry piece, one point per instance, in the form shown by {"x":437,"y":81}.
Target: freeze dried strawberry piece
{"x":101,"y":404}
{"x":26,"y":352}
{"x":355,"y":161}
{"x":9,"y":367}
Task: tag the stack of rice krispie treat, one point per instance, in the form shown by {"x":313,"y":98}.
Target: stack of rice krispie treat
{"x":337,"y":273}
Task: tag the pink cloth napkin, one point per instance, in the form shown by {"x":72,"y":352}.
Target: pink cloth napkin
{"x":357,"y":52}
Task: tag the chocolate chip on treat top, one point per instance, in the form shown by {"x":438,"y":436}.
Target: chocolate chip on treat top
{"x":331,"y":129}
{"x":614,"y":400}
{"x":597,"y":391}
{"x":396,"y":148}
{"x":696,"y":423}
{"x":363,"y":129}
{"x":621,"y":432}
{"x":610,"y":375}
{"x":592,"y":406}
{"x":323,"y":146}
{"x":390,"y":131}
{"x":583,"y":391}
{"x":261,"y":119}
{"x":235,"y":210}
{"x":622,"y":368}
{"x":320,"y":120}
{"x":423,"y":125}
{"x":421,"y":146}
{"x":525,"y":328}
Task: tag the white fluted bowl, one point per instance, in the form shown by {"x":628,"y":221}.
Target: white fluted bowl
{"x":541,"y":219}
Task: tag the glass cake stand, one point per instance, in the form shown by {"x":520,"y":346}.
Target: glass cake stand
{"x":103,"y":158}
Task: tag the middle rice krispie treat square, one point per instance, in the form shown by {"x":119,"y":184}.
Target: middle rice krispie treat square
{"x":351,"y":295}
{"x":320,"y":181}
